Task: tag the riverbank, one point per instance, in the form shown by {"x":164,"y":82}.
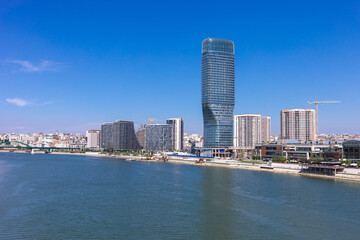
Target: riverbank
{"x":90,"y":154}
{"x":281,"y":168}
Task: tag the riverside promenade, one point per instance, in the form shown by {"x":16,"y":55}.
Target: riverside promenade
{"x":349,"y":174}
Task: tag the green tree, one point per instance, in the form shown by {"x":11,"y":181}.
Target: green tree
{"x":109,"y":149}
{"x":280,"y":159}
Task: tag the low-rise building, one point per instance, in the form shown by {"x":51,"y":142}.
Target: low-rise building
{"x":352,"y":150}
{"x":299,"y":151}
{"x":217,"y":152}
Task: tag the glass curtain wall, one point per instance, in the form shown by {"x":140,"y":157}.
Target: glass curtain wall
{"x":218,"y":92}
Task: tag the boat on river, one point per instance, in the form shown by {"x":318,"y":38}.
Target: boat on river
{"x":131,"y":159}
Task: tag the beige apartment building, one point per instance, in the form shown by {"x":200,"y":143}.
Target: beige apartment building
{"x":298,"y":124}
{"x":250,"y":129}
{"x":265,"y":129}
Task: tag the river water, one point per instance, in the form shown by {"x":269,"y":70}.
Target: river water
{"x":78,"y":197}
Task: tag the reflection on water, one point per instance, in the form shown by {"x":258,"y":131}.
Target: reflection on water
{"x":61,"y":197}
{"x":219,"y":220}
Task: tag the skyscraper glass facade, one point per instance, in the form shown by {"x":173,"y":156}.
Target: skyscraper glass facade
{"x":218,"y":92}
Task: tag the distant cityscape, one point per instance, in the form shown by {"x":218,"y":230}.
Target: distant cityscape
{"x":225,"y":135}
{"x":179,"y":120}
{"x":92,"y":139}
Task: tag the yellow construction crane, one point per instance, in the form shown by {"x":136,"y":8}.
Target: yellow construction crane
{"x":150,"y":121}
{"x":317,"y":113}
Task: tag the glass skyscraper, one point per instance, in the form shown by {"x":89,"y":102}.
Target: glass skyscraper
{"x":218,"y":92}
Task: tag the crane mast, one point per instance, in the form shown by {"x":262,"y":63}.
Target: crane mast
{"x":317,"y":113}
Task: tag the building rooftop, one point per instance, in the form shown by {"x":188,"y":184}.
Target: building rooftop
{"x":352,"y":143}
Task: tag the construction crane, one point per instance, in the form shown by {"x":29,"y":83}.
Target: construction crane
{"x":150,"y":121}
{"x":317,"y":113}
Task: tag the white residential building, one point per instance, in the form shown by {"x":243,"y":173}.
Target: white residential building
{"x":178,"y":132}
{"x":247,"y":130}
{"x":250,"y":129}
{"x":93,"y":138}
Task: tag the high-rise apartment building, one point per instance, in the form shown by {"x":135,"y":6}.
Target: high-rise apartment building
{"x":106,"y":135}
{"x":178,"y":132}
{"x":250,"y":129}
{"x":93,"y":138}
{"x":141,"y":135}
{"x":298,"y":124}
{"x":265,"y":129}
{"x":218,"y":92}
{"x":119,"y":135}
{"x":247,"y":130}
{"x":159,"y":137}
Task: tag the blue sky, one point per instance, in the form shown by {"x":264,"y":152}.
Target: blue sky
{"x":71,"y":65}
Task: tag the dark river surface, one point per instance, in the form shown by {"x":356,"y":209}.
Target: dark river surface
{"x":78,"y":197}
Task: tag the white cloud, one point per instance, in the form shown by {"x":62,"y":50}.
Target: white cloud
{"x":17,"y":101}
{"x":22,"y":102}
{"x":20,"y":127}
{"x":27,"y":66}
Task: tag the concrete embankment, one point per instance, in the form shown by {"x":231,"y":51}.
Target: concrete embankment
{"x":15,"y":151}
{"x":294,"y":169}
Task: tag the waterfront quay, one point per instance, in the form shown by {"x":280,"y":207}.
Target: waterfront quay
{"x":315,"y":170}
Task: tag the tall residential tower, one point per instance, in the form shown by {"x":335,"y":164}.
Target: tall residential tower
{"x":178,"y":132}
{"x":250,"y":129}
{"x":218,"y":92}
{"x":265,"y":129}
{"x":247,"y":130}
{"x":119,"y":135}
{"x":298,"y":124}
{"x":159,"y":137}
